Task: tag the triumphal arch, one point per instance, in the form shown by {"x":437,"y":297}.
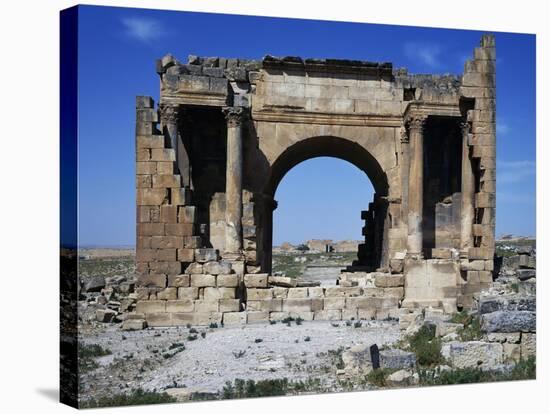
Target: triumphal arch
{"x":209,"y":159}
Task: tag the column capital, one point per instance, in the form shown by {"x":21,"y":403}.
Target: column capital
{"x":404,"y":135}
{"x":235,"y":115}
{"x":416,"y":122}
{"x":465,"y":127}
{"x":169,"y":114}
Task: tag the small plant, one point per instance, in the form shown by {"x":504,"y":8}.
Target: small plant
{"x":258,"y":340}
{"x":287,"y":320}
{"x":348,"y":323}
{"x":193,"y":331}
{"x":357,"y":324}
{"x":239,"y":354}
{"x":191,"y":337}
{"x":334,"y":324}
{"x":378,"y":376}
{"x":203,"y":335}
{"x":426,"y":346}
{"x":471,"y":331}
{"x":136,"y":397}
{"x":92,"y":351}
{"x":213,"y":325}
{"x":299,"y":321}
{"x":188,"y":326}
{"x":307,"y":339}
{"x":272,"y":322}
{"x":176,"y":345}
{"x":515,"y":287}
{"x":251,"y":389}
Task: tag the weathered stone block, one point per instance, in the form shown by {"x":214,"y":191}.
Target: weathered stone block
{"x":158,"y":319}
{"x":257,"y":316}
{"x":228,"y":280}
{"x":179,"y":229}
{"x":203,"y":280}
{"x":328,"y":315}
{"x":282,"y":281}
{"x":334,"y":303}
{"x":151,"y":306}
{"x":182,"y":319}
{"x":188,"y":293}
{"x":388,"y":280}
{"x":528,"y":345}
{"x":297,"y":305}
{"x":229,"y":305}
{"x":206,"y":255}
{"x":105,"y":315}
{"x":168,"y":268}
{"x":163,"y":154}
{"x":203,"y":306}
{"x":297,"y":293}
{"x":509,"y":321}
{"x":165,"y":168}
{"x":152,"y":280}
{"x":178,"y":280}
{"x":180,"y":196}
{"x":216,"y":293}
{"x":170,"y":293}
{"x":166,"y":242}
{"x":206,"y":318}
{"x":258,"y":294}
{"x":151,"y":196}
{"x":134,"y":325}
{"x":186,"y":214}
{"x":337,"y":291}
{"x":397,"y":359}
{"x":186,"y":255}
{"x":217,"y":268}
{"x":146,"y":167}
{"x":234,"y":318}
{"x":168,"y":214}
{"x":473,"y":354}
{"x":255,"y":280}
{"x":181,"y":305}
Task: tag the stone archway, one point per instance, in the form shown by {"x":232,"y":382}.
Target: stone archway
{"x":371,"y":254}
{"x":209,"y":159}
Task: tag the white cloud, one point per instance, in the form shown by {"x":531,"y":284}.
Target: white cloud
{"x":144,"y":30}
{"x":511,"y":172}
{"x":502,"y":128}
{"x":426,"y":53}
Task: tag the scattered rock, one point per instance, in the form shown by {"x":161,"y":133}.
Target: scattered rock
{"x":402,"y":378}
{"x":94,"y":284}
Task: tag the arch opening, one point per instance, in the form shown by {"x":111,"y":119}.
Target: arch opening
{"x":370,"y":253}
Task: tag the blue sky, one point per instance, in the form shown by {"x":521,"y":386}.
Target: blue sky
{"x":117,"y":52}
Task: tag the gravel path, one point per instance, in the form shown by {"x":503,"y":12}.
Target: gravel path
{"x":257,"y":351}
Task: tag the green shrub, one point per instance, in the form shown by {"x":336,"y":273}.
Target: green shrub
{"x":471,"y":331}
{"x":378,"y":376}
{"x":426,"y":346}
{"x":524,"y":369}
{"x":252,"y":389}
{"x":137,"y":397}
{"x":92,"y":351}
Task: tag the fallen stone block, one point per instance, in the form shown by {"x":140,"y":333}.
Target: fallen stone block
{"x":105,"y":315}
{"x":525,"y":274}
{"x":473,"y":354}
{"x":397,"y":359}
{"x":488,"y":304}
{"x":509,"y":321}
{"x":94,"y":284}
{"x":358,"y":360}
{"x":134,"y":325}
{"x":282,"y":281}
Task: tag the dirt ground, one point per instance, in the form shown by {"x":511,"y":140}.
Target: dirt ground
{"x":154,"y":359}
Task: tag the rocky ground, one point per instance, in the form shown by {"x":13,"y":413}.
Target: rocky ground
{"x":495,"y":341}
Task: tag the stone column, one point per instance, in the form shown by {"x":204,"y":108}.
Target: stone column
{"x":170,"y":116}
{"x":405,"y":166}
{"x":416,"y":184}
{"x":468,"y":193}
{"x":234,"y":182}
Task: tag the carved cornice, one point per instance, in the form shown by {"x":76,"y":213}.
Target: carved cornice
{"x":169,"y":114}
{"x":235,"y":115}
